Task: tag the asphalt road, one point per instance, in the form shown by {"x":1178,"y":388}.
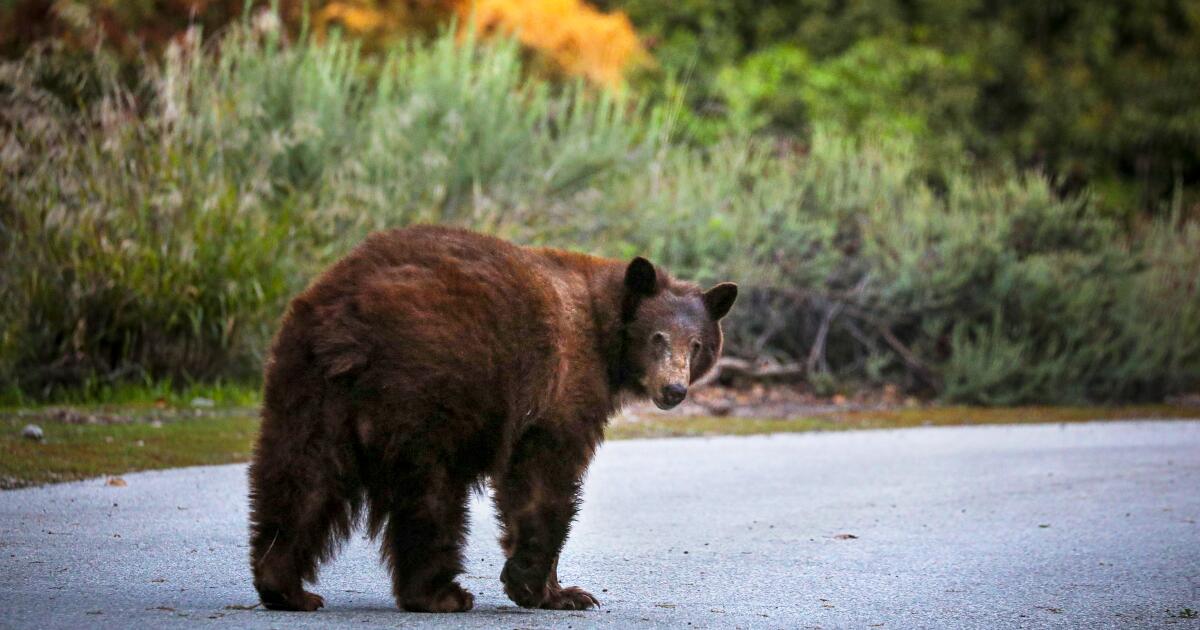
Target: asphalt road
{"x":1091,"y":525}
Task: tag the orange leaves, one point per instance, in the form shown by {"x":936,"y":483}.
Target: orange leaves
{"x":573,"y":38}
{"x":355,"y":18}
{"x":377,"y":21}
{"x":578,"y":39}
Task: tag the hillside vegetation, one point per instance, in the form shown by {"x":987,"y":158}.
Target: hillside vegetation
{"x":154,"y":229}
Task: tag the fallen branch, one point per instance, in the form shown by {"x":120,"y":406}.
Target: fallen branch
{"x":730,"y":369}
{"x":909,"y":358}
{"x":816,"y":354}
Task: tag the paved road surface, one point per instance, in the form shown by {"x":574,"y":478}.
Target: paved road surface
{"x":1090,"y":525}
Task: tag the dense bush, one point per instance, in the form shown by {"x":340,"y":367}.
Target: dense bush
{"x":1093,"y":92}
{"x":158,"y":232}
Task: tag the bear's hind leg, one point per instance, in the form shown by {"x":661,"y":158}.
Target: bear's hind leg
{"x":423,"y":539}
{"x":298,"y":516}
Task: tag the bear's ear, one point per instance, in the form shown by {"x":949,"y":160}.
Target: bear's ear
{"x":719,"y":299}
{"x":640,"y":277}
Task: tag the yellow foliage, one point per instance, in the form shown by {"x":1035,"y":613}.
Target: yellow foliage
{"x":576,"y":37}
{"x":377,"y":21}
{"x":572,"y":36}
{"x":356,"y":18}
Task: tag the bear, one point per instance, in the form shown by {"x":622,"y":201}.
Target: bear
{"x":433,"y":361}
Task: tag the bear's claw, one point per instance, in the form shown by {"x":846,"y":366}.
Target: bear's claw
{"x":570,"y":598}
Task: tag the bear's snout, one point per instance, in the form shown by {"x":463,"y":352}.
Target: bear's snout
{"x":671,"y":395}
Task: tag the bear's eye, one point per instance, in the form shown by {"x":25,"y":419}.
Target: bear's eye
{"x":658,"y":339}
{"x":695,"y":348}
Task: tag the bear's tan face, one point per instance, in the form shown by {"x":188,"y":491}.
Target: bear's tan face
{"x":675,"y":335}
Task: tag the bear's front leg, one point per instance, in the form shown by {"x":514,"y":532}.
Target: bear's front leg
{"x":537,"y":498}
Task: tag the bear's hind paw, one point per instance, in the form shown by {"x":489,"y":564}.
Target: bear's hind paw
{"x":307,"y":602}
{"x":448,"y":599}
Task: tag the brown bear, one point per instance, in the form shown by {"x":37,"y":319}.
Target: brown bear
{"x":432,"y":360}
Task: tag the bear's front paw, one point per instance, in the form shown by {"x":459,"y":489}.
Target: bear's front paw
{"x":525,"y":594}
{"x":523,"y":584}
{"x":570,"y":598}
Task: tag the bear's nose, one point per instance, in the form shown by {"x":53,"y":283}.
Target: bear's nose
{"x":673,"y":394}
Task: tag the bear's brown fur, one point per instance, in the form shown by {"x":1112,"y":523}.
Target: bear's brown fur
{"x":432,"y":359}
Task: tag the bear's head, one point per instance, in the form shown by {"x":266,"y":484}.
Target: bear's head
{"x":672,"y":332}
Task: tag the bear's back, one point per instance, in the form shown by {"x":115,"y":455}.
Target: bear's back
{"x":430,"y":311}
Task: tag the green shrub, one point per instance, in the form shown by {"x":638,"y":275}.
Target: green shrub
{"x":877,"y":88}
{"x":993,"y":292}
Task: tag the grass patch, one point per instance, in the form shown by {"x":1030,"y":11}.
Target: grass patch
{"x":81,"y":451}
{"x":129,"y":398}
{"x":890,"y":419}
